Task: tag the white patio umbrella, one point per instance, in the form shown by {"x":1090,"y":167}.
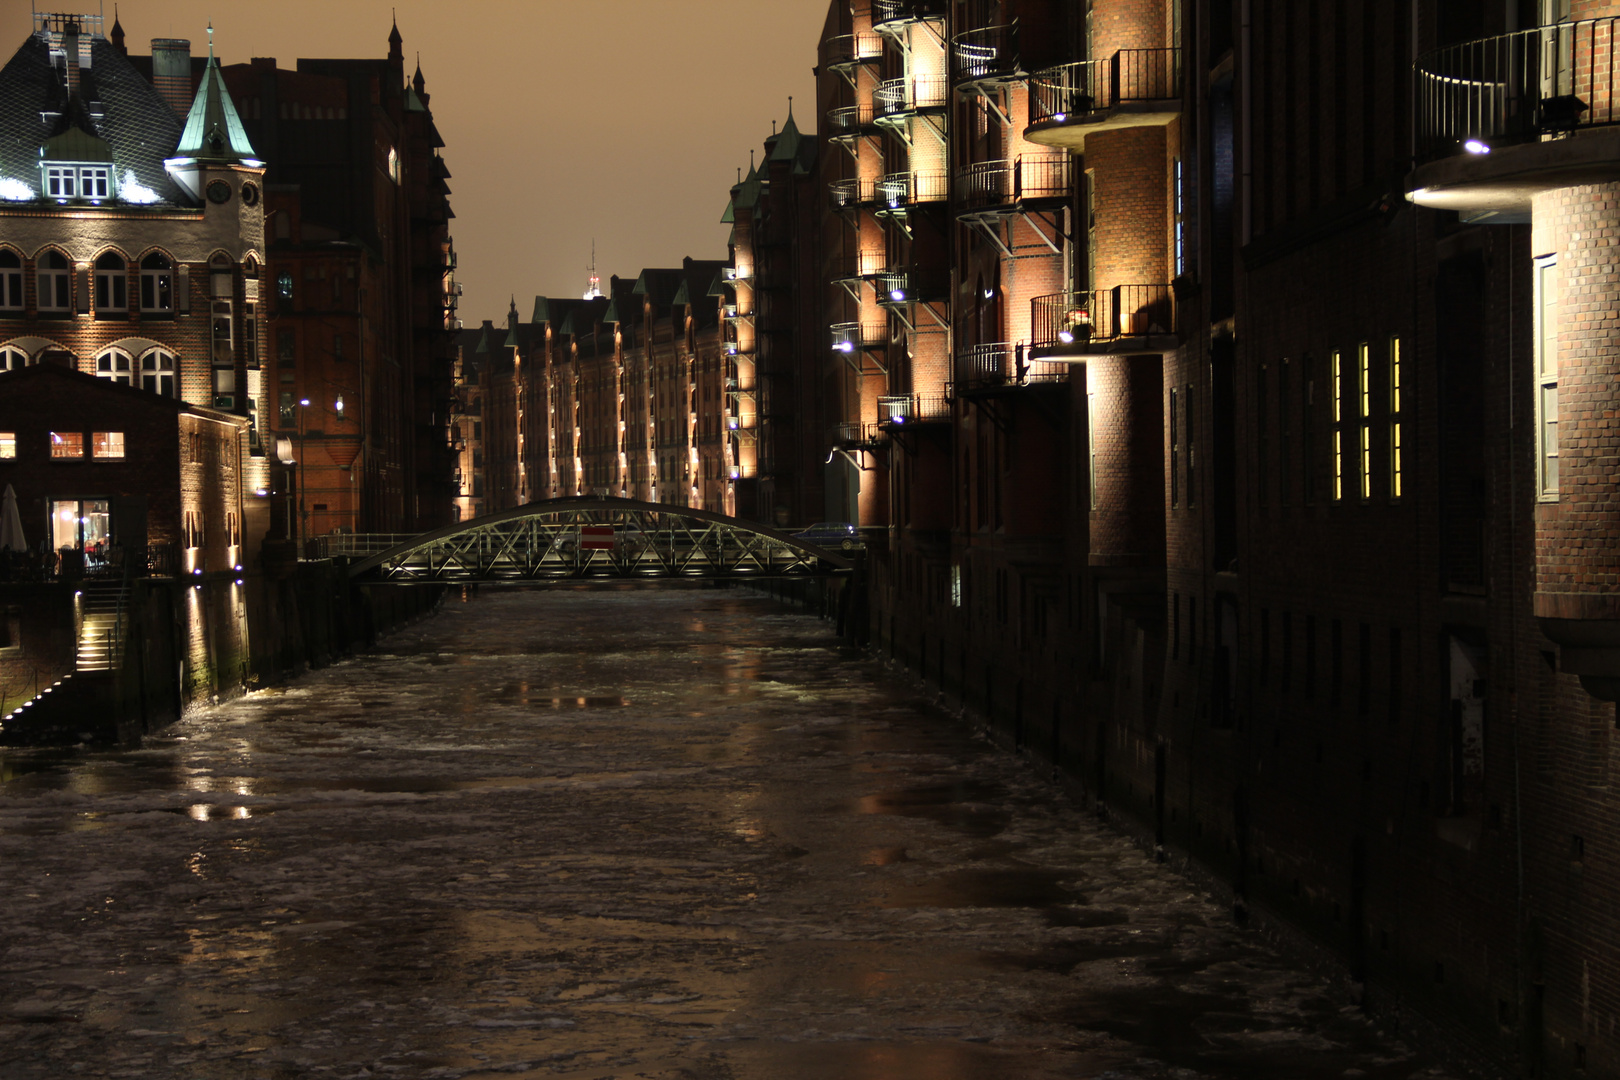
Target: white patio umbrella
{"x":11,"y":530}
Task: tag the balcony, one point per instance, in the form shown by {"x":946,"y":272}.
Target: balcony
{"x":914,"y":409}
{"x":1002,"y":366}
{"x":851,"y":268}
{"x":993,"y":188}
{"x":1134,"y":318}
{"x":849,"y":50}
{"x":889,"y":16}
{"x":1500,"y":119}
{"x":900,"y":286}
{"x":1132,"y":88}
{"x":850,"y":122}
{"x":898,"y":192}
{"x":851,"y":194}
{"x":985,"y":57}
{"x":851,"y":435}
{"x":898,"y":100}
{"x":851,"y":336}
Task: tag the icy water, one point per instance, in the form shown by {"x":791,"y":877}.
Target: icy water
{"x":614,"y":834}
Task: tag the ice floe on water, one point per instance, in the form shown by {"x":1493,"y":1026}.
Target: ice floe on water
{"x":599,"y":834}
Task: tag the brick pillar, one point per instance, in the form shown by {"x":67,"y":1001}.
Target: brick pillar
{"x":1127,"y":433}
{"x":1577,"y":595}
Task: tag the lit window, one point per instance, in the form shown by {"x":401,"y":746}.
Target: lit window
{"x":157,"y":374}
{"x":112,"y":286}
{"x":157,"y":283}
{"x":11,"y":281}
{"x":224,"y":388}
{"x":107,"y":444}
{"x":8,"y":444}
{"x":67,"y":444}
{"x":284,"y":285}
{"x":1546,"y":372}
{"x":116,"y":366}
{"x":1395,"y":463}
{"x":54,"y":274}
{"x":224,"y":354}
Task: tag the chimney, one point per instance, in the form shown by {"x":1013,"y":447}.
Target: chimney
{"x":171,"y":72}
{"x":70,"y":46}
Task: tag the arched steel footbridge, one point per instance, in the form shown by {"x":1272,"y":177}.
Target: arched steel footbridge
{"x":585,"y":538}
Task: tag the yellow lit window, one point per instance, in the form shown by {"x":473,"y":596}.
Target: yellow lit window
{"x":107,"y":444}
{"x":8,"y":444}
{"x":1395,"y":463}
{"x":67,"y":444}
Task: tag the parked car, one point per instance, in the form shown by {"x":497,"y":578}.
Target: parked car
{"x":831,"y":534}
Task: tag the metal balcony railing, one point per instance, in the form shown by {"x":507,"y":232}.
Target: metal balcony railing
{"x":987,"y":53}
{"x":907,"y":285}
{"x":853,"y":433}
{"x":851,"y":267}
{"x":1125,"y":311}
{"x":1003,"y":364}
{"x":914,"y":409}
{"x":896,"y":191}
{"x":1546,"y":81}
{"x":849,"y":120}
{"x":1072,"y":91}
{"x":898,"y":97}
{"x":885,"y":12}
{"x":849,"y":194}
{"x":1004,"y":183}
{"x":848,"y":49}
{"x":850,"y":336}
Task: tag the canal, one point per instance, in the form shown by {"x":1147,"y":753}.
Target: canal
{"x":615,"y":833}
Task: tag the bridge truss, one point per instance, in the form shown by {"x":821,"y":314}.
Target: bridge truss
{"x":587,"y":538}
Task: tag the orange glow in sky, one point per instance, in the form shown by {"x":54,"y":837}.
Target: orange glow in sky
{"x":565,"y":120}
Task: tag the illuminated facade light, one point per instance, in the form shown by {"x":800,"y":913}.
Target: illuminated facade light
{"x":1476,"y":146}
{"x":15,"y":190}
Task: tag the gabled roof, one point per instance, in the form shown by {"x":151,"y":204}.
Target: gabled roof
{"x":658,"y":286}
{"x":136,"y":124}
{"x":213,"y":130}
{"x":16,"y":382}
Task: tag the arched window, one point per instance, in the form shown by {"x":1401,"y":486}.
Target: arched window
{"x":115,"y":364}
{"x":157,"y":284}
{"x":157,"y":373}
{"x":54,"y":274}
{"x":11,"y":281}
{"x":112,"y":286}
{"x":13,"y":359}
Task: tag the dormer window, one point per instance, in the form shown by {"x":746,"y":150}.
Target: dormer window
{"x":92,"y":182}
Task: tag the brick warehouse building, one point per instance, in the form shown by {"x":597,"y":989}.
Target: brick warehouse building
{"x":362,"y":312}
{"x":1225,"y":393}
{"x":1228,"y":434}
{"x":131,"y":231}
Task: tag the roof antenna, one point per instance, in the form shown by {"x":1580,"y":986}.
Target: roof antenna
{"x":790,"y":106}
{"x":773,"y":129}
{"x":210,"y":40}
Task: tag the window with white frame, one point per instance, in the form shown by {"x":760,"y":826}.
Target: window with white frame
{"x":66,"y":180}
{"x":11,"y":281}
{"x":95,"y":182}
{"x":1546,"y":374}
{"x":157,"y":373}
{"x":61,"y":181}
{"x":112,"y":286}
{"x":13,"y":359}
{"x":55,"y":275}
{"x":157,"y":284}
{"x":116,"y":365}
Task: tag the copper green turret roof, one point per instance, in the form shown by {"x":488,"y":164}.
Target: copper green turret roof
{"x":213,"y":130}
{"x":787,"y":142}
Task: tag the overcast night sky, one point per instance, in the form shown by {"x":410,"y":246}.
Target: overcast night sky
{"x":624,"y":120}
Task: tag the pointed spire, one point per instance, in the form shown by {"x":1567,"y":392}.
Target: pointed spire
{"x":213,"y":129}
{"x":396,"y":43}
{"x":417,"y":82}
{"x":118,"y":33}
